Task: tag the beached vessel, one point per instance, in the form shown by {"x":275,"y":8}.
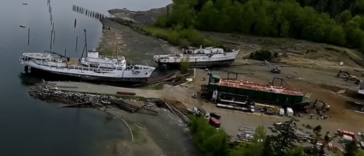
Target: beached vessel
{"x":201,"y":57}
{"x":92,"y":67}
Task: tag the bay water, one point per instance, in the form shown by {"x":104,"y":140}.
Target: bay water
{"x":34,"y":128}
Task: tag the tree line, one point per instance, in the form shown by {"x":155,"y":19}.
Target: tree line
{"x":273,"y":18}
{"x":215,"y":142}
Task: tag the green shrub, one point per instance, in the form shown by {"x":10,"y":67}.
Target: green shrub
{"x":261,"y":55}
{"x":181,"y":37}
{"x":184,"y":65}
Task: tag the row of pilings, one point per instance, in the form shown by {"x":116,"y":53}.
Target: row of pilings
{"x":102,"y":17}
{"x":135,"y":27}
{"x":89,"y":13}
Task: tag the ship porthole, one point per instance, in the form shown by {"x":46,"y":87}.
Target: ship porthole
{"x":29,"y":70}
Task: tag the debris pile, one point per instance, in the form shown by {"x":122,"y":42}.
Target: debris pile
{"x":246,"y":133}
{"x":45,"y":92}
{"x":48,"y":92}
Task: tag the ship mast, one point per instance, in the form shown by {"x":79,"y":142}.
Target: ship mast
{"x":85,"y":46}
{"x":113,"y":51}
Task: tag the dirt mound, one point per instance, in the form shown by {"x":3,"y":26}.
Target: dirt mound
{"x":178,"y":105}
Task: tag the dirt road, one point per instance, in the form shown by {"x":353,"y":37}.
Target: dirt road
{"x":309,"y":66}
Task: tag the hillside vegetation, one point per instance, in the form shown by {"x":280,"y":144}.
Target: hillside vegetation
{"x":212,"y":142}
{"x":283,"y":18}
{"x":335,"y":7}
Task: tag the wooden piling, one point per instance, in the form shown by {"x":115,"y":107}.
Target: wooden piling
{"x":76,"y":42}
{"x":54,"y":36}
{"x":28,"y":36}
{"x":77,"y":105}
{"x":50,"y":44}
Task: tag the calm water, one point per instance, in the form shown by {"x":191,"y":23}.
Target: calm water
{"x":34,"y":128}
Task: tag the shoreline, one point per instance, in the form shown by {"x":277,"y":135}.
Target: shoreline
{"x":157,"y":134}
{"x":127,"y":125}
{"x":117,"y":39}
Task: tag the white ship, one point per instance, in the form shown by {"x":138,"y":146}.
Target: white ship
{"x":202,"y":57}
{"x":91,"y":67}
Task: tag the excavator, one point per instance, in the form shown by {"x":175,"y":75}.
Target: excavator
{"x":348,"y":77}
{"x":319,"y":103}
{"x":273,"y":69}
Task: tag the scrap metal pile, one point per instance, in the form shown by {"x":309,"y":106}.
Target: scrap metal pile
{"x":246,"y":133}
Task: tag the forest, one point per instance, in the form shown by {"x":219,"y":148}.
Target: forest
{"x":336,"y":22}
{"x":215,"y":142}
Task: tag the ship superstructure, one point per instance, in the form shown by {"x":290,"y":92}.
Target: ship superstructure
{"x":201,"y":57}
{"x":91,"y":67}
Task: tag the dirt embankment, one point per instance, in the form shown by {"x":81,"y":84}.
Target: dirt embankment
{"x":143,"y":17}
{"x":119,"y":40}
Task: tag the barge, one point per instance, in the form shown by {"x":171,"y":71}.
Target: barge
{"x":246,"y":93}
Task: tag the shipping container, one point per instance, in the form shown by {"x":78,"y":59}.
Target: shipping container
{"x":281,"y":111}
{"x":289,"y":111}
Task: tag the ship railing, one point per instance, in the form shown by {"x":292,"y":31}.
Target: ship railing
{"x":65,"y":66}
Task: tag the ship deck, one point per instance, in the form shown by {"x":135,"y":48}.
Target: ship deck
{"x":260,"y":87}
{"x":73,"y":62}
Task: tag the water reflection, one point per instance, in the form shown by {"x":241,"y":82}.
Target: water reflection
{"x":56,"y":131}
{"x":28,"y":80}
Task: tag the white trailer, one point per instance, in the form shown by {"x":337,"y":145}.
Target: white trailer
{"x":281,"y":111}
{"x":289,"y":111}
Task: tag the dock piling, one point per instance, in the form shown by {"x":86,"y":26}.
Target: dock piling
{"x":76,"y":43}
{"x":28,"y":36}
{"x":87,"y":12}
{"x":54,"y":36}
{"x":50,"y":44}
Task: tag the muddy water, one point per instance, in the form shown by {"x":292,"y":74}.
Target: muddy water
{"x":30,"y":127}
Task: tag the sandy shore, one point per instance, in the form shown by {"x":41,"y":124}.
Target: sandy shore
{"x":158,"y":135}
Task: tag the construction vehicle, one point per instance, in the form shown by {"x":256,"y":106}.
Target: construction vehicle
{"x":348,"y":77}
{"x":324,"y":106}
{"x":273,"y":69}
